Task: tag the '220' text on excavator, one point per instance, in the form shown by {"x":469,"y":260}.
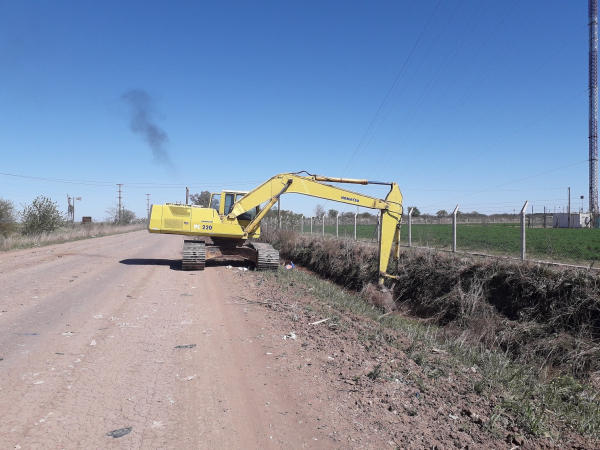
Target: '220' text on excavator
{"x":227,"y":229}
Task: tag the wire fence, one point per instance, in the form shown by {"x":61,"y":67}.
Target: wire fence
{"x":557,"y":238}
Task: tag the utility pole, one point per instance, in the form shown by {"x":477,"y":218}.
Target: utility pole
{"x":187,"y":195}
{"x":70,"y":212}
{"x":119,"y":184}
{"x":569,"y":208}
{"x":544,"y":217}
{"x":148,"y":201}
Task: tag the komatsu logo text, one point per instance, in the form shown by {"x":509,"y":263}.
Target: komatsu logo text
{"x":350,"y":199}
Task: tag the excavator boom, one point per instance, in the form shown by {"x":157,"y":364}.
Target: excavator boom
{"x":312,"y":185}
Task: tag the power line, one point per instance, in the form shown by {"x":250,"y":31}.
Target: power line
{"x":507,"y":184}
{"x":499,"y":103}
{"x":507,"y":138}
{"x":391,"y":88}
{"x":131,"y":185}
{"x":473,"y":87}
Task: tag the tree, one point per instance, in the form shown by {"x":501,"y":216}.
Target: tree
{"x":319,"y":211}
{"x":333,"y":213}
{"x":127,"y":217}
{"x":7,"y":217}
{"x":201,"y":199}
{"x":41,"y":216}
{"x":416,"y":212}
{"x":441,"y":213}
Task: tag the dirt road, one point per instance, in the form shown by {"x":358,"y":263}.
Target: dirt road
{"x":89,"y":332}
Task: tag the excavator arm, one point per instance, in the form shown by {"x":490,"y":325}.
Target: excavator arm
{"x":314,"y":186}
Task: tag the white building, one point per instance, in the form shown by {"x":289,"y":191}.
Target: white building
{"x":578,"y":220}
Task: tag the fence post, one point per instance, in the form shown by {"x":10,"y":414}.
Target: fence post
{"x":323,"y":225}
{"x":337,"y":225}
{"x":355,"y":214}
{"x":302,"y":224}
{"x":454,"y":229}
{"x":410,"y":226}
{"x":311,"y":224}
{"x":523,"y":230}
{"x":279,"y":212}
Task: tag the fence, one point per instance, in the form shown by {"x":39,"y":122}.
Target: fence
{"x":522,"y":236}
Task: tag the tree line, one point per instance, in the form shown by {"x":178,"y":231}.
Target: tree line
{"x":43,"y":215}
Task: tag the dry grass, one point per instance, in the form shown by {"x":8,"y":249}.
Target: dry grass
{"x":65,"y":234}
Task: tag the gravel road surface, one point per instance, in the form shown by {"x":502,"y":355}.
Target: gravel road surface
{"x":89,"y":337}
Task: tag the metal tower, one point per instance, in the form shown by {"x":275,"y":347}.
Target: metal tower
{"x":593,"y":91}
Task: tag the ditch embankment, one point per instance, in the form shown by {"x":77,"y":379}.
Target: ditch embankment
{"x":532,"y":331}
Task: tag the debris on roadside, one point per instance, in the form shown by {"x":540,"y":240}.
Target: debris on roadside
{"x":189,"y":378}
{"x":119,"y":433}
{"x":320,"y":321}
{"x":186,"y":346}
{"x":292,"y":335}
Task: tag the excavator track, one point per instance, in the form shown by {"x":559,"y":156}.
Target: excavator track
{"x":268,"y":257}
{"x":194,"y":255}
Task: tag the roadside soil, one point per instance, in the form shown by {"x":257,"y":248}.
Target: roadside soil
{"x":110,"y":335}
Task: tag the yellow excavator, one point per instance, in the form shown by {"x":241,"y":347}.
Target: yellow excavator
{"x":225,"y":228}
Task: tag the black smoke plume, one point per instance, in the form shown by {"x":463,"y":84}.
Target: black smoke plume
{"x":143,"y":123}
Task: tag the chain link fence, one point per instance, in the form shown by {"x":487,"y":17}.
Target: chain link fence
{"x":553,"y":237}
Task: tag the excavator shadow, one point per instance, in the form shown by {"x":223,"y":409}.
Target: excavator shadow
{"x":174,"y":264}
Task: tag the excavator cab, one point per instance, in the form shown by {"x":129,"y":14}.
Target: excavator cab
{"x":223,"y":203}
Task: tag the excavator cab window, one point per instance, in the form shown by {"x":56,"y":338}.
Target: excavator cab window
{"x":228,"y":203}
{"x":215,"y":201}
{"x":248,"y":215}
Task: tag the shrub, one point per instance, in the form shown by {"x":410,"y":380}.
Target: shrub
{"x":7,"y":217}
{"x":126,"y":217}
{"x":41,"y":216}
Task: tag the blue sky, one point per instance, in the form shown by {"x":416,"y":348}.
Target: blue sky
{"x":477,"y":103}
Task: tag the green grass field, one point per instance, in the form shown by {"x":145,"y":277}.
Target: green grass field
{"x":553,"y":244}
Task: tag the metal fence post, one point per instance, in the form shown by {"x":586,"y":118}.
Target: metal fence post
{"x":355,"y":214}
{"x":337,"y":225}
{"x":454,"y":213}
{"x":323,"y":224}
{"x":410,"y":226}
{"x":523,"y":230}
